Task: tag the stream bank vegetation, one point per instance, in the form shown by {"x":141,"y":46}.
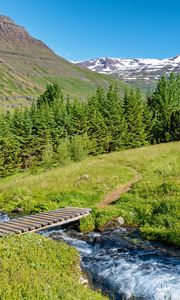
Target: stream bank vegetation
{"x":34,"y":267}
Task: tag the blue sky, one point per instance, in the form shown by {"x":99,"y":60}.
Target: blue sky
{"x":83,"y":29}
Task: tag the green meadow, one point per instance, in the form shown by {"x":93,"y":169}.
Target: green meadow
{"x":152,"y":203}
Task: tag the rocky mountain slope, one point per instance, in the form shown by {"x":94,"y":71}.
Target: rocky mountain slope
{"x":15,"y":38}
{"x":27,"y":65}
{"x":136,"y":70}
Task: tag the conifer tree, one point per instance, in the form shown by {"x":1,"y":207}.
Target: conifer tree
{"x":21,"y":127}
{"x":9,"y":155}
{"x":55,"y":129}
{"x":134,"y":116}
{"x":52,"y":93}
{"x":165,"y":105}
{"x":97,"y":129}
{"x":113,"y":114}
{"x":78,"y":118}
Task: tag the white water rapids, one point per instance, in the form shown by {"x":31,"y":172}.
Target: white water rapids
{"x":123,"y":266}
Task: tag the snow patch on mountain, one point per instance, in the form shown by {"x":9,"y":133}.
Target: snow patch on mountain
{"x":133,"y":69}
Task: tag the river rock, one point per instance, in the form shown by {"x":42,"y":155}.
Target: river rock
{"x":110,"y":224}
{"x":17,"y":210}
{"x":83,"y":280}
{"x":114,"y":223}
{"x":120,"y":221}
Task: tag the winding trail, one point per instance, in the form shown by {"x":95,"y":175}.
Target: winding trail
{"x":116,"y":193}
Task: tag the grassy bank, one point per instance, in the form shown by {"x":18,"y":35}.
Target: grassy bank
{"x":34,"y":267}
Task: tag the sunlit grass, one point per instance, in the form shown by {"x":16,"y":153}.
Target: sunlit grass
{"x":63,"y":186}
{"x":145,"y":205}
{"x":34,"y":267}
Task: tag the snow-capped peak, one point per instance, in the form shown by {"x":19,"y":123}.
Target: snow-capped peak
{"x":132,"y":69}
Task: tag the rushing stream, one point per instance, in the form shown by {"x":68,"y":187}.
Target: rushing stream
{"x":122,"y":265}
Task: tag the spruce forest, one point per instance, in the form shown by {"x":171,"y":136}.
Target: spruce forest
{"x":57,"y":129}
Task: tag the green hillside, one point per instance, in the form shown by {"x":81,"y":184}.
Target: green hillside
{"x":19,"y":77}
{"x":27,"y":65}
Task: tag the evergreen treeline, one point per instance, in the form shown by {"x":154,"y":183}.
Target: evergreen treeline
{"x":56,"y":129}
{"x":165,"y":106}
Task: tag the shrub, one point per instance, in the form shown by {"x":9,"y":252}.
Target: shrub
{"x":87,"y":224}
{"x":162,"y":207}
{"x":47,"y":156}
{"x":105,"y":215}
{"x":80,"y":147}
{"x":63,"y":152}
{"x":171,"y":235}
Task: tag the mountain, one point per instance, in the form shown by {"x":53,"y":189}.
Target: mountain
{"x":27,"y":65}
{"x":138,"y":71}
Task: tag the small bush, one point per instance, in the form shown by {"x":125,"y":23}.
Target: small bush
{"x":63,"y":153}
{"x":48,"y":156}
{"x":163,"y":207}
{"x":87,"y":224}
{"x":80,"y":147}
{"x":105,"y":215}
{"x":167,"y":188}
{"x":161,"y":234}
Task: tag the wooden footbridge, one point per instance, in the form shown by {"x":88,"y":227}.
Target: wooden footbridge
{"x":43,"y":220}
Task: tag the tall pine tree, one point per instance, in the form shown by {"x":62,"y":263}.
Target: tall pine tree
{"x":134,"y":116}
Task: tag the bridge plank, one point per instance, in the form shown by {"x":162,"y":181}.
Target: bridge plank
{"x":38,"y":220}
{"x":33,"y":224}
{"x":14,"y":227}
{"x":22,"y":225}
{"x":66,"y":210}
{"x":5,"y":232}
{"x":50,"y":218}
{"x":9,"y":229}
{"x":60,"y":213}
